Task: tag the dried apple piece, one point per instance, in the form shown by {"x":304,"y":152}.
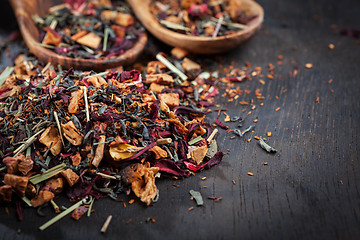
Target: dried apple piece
{"x":70,"y":176}
{"x":72,"y":134}
{"x":51,"y":137}
{"x":44,"y":196}
{"x":90,"y":40}
{"x":17,"y":183}
{"x":5,"y":194}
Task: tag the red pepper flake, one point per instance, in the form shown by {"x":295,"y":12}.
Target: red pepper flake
{"x":131,"y":201}
{"x":250,"y":173}
{"x":233,"y":181}
{"x":330,"y":81}
{"x":190,"y":209}
{"x":308,"y":65}
{"x":277,"y":109}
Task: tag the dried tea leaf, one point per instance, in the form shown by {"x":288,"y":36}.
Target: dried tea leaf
{"x":197,"y":196}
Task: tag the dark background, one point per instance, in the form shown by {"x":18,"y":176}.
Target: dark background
{"x":310,"y":187}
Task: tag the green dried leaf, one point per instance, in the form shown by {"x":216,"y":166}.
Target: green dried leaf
{"x":197,"y":196}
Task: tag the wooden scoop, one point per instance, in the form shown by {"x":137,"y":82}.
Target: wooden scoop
{"x":25,"y":9}
{"x":202,"y":45}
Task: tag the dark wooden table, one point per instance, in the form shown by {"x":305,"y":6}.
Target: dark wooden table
{"x":310,"y":187}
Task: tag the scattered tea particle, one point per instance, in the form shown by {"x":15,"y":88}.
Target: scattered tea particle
{"x":176,"y":185}
{"x":317,"y":99}
{"x":261,"y":104}
{"x":265,"y":163}
{"x":106,"y":224}
{"x":250,"y":173}
{"x":253,"y":107}
{"x":204,"y":186}
{"x":249,"y":113}
{"x":233,"y":181}
{"x":128,"y":221}
{"x":330,"y":81}
{"x":332,"y":90}
{"x":153,"y":220}
{"x":256,"y":120}
{"x":131,"y":201}
{"x":243,"y":103}
{"x":341,"y":182}
{"x":124,"y":205}
{"x":270,"y":76}
{"x":276,"y":97}
{"x":203,"y":178}
{"x":280,"y":57}
{"x":256,"y":137}
{"x":218,"y":199}
{"x":197,"y":196}
{"x":249,"y":140}
{"x":262,"y":82}
{"x":331,"y":46}
{"x":269,"y":134}
{"x":277,"y":109}
{"x":190,"y":209}
{"x":308,"y":65}
{"x":233,"y":137}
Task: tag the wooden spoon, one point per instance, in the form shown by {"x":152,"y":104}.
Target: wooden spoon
{"x":202,"y":45}
{"x":25,"y":9}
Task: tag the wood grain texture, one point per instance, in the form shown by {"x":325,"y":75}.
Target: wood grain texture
{"x":24,"y":10}
{"x":310,"y":189}
{"x":199,"y":45}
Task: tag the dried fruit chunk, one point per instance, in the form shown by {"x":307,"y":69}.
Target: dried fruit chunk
{"x":163,"y":78}
{"x":56,"y":184}
{"x":71,"y":133}
{"x":108,"y":15}
{"x":44,"y":196}
{"x":79,"y":212}
{"x":178,"y":53}
{"x":171,"y":99}
{"x":51,"y":137}
{"x":119,"y":151}
{"x":76,"y":159}
{"x":155,"y":67}
{"x":144,"y":187}
{"x":52,"y":37}
{"x":189,"y":65}
{"x":159,"y":152}
{"x":198,"y":154}
{"x":74,"y":101}
{"x":70,"y":176}
{"x":124,"y":19}
{"x":12,"y":163}
{"x":91,"y":40}
{"x":99,"y":153}
{"x":97,"y":81}
{"x":25,"y":165}
{"x":5,"y":194}
{"x":156,"y":87}
{"x":17,"y":183}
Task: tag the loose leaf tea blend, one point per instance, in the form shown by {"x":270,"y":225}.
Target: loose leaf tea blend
{"x":89,"y":29}
{"x":202,"y":18}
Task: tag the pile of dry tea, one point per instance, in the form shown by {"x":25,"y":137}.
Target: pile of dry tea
{"x":89,"y":135}
{"x":209,"y":18}
{"x":89,"y":29}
